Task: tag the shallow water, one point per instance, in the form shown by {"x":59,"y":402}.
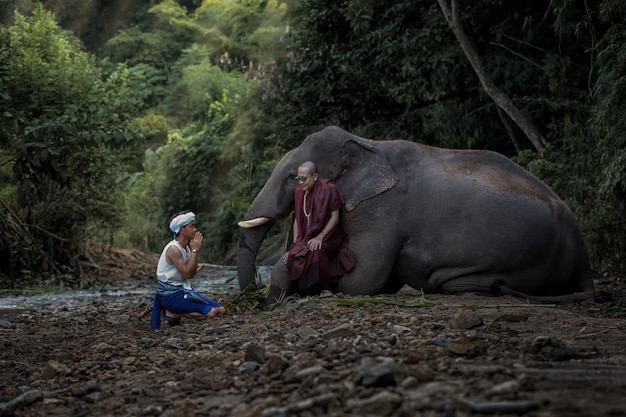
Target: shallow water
{"x":213,"y":280}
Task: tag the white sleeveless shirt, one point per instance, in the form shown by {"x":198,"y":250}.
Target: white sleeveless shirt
{"x":168,"y":273}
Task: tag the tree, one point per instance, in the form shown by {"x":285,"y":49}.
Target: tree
{"x":531,"y":131}
{"x":64,"y":139}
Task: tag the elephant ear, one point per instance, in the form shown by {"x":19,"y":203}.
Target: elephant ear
{"x":364,"y":172}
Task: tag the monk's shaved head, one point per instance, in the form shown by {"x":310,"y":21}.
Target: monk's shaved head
{"x":309,"y":167}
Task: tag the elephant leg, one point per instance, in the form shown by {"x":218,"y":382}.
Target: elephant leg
{"x":370,"y":274}
{"x":392,"y":286}
{"x":280,"y":285}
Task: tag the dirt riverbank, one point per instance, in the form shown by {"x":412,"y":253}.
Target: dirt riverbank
{"x":400,"y":355}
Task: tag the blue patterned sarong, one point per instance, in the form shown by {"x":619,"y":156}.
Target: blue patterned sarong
{"x":179,"y":301}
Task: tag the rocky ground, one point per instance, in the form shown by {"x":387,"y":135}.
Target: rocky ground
{"x":401,"y":355}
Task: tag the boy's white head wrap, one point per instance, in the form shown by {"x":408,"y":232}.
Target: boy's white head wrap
{"x":181,"y":220}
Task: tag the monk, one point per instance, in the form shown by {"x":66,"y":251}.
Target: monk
{"x":319,"y":254}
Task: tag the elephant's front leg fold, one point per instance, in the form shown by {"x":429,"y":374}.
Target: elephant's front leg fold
{"x":280,"y":286}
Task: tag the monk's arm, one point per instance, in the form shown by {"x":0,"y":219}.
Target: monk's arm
{"x":330,"y":225}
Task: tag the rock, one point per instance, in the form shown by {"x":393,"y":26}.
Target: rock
{"x":439,"y":341}
{"x":306,"y":332}
{"x":28,"y":398}
{"x":20,"y":389}
{"x":481,"y":370}
{"x":320,"y":400}
{"x":424,"y":395}
{"x":414,"y":357}
{"x":254,"y":353}
{"x":504,"y":388}
{"x":500,"y":407}
{"x":248,"y":410}
{"x":176,"y":343}
{"x":130,"y":360}
{"x":547,"y":348}
{"x":275,"y":364}
{"x":247,"y":367}
{"x":51,"y":369}
{"x":346,"y":329}
{"x":512,"y":318}
{"x":313,"y":370}
{"x":149,"y":392}
{"x":466,"y":319}
{"x":86,"y":389}
{"x":410,"y":382}
{"x":93,"y":397}
{"x":459,"y":348}
{"x":381,"y":404}
{"x":401,"y":329}
{"x":117,"y":318}
{"x":152,"y":410}
{"x":468,"y":349}
{"x":382,"y":374}
{"x":103,"y":347}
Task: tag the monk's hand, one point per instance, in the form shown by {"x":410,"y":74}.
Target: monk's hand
{"x":285,"y":257}
{"x":315,"y":243}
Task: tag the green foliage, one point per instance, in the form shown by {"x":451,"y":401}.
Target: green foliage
{"x":64,"y":136}
{"x":221,"y":92}
{"x":139,"y":229}
{"x":214,"y":126}
{"x":191,"y":172}
{"x":609,"y":124}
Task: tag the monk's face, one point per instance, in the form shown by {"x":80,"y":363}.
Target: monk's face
{"x":307,"y":180}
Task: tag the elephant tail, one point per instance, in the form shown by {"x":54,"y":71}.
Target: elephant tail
{"x":586,"y":294}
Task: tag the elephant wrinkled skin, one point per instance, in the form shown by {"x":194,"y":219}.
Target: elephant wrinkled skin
{"x":439,"y":220}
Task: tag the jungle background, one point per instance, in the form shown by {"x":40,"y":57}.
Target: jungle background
{"x":115,"y":114}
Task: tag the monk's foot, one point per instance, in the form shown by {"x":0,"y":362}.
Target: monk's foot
{"x":326,"y":294}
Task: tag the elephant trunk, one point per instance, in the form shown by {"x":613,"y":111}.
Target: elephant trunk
{"x":250,"y":241}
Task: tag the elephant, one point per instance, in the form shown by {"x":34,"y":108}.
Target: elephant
{"x":438,"y":220}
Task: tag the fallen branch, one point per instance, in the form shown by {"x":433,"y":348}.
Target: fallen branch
{"x":22,"y":224}
{"x":8,"y":408}
{"x":592,"y":334}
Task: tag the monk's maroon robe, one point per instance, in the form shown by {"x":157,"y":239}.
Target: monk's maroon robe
{"x":324,"y":267}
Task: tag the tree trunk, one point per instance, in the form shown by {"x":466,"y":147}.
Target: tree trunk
{"x":498,"y":96}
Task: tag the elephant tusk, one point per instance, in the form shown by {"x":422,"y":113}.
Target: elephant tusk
{"x":247,"y":224}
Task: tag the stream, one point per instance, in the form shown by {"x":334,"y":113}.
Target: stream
{"x":212,"y":280}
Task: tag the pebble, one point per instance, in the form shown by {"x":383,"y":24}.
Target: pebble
{"x":380,"y":372}
{"x":254,"y":352}
{"x":346,"y":329}
{"x":507,"y":387}
{"x":52,"y":368}
{"x":381,"y":404}
{"x":466,"y":319}
{"x":275,"y":364}
{"x":495,"y":407}
{"x":248,"y":367}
